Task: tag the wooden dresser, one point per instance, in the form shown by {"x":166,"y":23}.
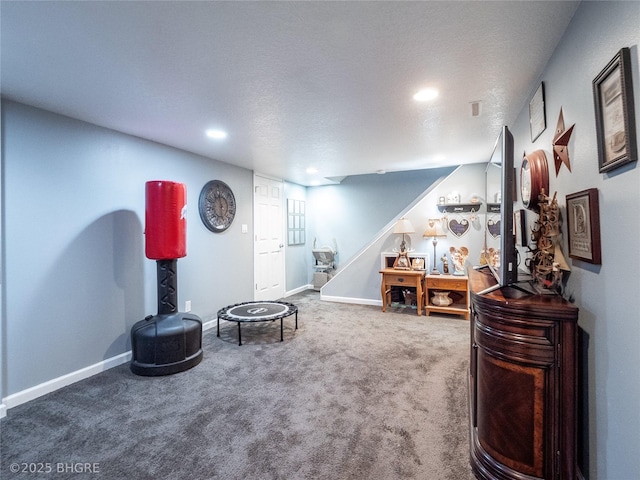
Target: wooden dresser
{"x":523,"y":383}
{"x":458,"y":288}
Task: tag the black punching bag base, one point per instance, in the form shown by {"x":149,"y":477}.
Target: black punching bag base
{"x":165,"y":344}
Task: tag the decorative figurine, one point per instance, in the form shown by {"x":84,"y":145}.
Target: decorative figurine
{"x":459,"y":258}
{"x":547,"y":262}
{"x":445,"y":264}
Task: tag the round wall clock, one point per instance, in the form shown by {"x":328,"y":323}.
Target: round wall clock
{"x":534,"y":178}
{"x":217,"y":206}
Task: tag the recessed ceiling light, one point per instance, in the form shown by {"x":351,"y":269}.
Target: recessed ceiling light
{"x":425,"y":95}
{"x":216,"y":134}
{"x":312,"y":170}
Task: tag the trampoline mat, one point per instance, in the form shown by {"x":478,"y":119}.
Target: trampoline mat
{"x":257,"y":311}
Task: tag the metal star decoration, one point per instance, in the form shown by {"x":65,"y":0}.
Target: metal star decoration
{"x":561,"y":144}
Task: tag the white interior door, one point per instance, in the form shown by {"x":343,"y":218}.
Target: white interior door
{"x":269,"y":238}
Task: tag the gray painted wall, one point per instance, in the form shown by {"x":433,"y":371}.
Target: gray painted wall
{"x":76,"y":278}
{"x":607,"y":295}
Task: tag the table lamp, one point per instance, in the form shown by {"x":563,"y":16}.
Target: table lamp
{"x":403,"y":226}
{"x":435,"y":230}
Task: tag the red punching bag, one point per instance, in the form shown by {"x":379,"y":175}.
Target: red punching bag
{"x":165,"y":220}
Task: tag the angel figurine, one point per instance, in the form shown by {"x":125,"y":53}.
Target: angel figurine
{"x":458,"y":258}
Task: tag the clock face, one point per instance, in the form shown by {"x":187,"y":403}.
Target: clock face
{"x":217,"y":206}
{"x":534,"y":179}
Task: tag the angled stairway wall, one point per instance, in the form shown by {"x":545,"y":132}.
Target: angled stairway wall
{"x":358,"y":280}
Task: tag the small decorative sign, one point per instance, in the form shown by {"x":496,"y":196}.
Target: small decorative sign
{"x":494,"y":227}
{"x":459,"y":228}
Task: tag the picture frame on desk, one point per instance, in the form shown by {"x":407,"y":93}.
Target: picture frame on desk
{"x":402,"y":262}
{"x":387,"y":259}
{"x":417,"y":263}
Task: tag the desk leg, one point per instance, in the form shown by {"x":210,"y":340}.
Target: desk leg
{"x":419,"y":296}
{"x":383,"y":292}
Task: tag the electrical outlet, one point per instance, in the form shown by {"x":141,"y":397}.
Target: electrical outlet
{"x":187,"y":306}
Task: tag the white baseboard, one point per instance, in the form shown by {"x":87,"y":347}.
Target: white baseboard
{"x":209,"y":324}
{"x":357,"y":301}
{"x":298,"y":290}
{"x":52,"y":385}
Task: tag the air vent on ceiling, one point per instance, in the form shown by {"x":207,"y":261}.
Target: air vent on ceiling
{"x":475,"y":109}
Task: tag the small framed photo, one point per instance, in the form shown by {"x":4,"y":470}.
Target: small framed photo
{"x":615,"y":117}
{"x":417,"y":263}
{"x":583,"y":223}
{"x":537,"y":119}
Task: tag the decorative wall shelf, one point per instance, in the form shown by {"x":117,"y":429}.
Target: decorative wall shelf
{"x":460,"y":207}
{"x":493,"y":208}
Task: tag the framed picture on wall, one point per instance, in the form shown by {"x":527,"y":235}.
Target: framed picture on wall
{"x":615,"y":117}
{"x":537,"y":119}
{"x":295,"y":222}
{"x":583,"y":223}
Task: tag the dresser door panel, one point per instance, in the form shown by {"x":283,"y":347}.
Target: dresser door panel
{"x":510,"y":413}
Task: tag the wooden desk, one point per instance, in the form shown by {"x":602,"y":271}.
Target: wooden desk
{"x":401,"y":278}
{"x":458,"y":285}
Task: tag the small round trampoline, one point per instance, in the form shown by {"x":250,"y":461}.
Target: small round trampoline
{"x":257,"y":312}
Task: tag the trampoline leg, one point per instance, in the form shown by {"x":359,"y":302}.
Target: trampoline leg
{"x":281,"y":335}
{"x":296,"y":320}
{"x":239,"y":335}
{"x":218,"y":326}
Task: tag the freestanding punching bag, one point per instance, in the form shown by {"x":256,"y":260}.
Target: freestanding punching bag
{"x":171,"y":341}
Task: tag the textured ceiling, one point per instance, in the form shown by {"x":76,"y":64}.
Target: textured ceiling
{"x":295,"y":84}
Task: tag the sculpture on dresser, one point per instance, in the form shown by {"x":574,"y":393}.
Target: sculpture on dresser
{"x":445,"y":264}
{"x":459,"y":259}
{"x":547,"y":261}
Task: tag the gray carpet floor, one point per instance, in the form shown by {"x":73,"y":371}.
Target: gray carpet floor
{"x":354,"y":393}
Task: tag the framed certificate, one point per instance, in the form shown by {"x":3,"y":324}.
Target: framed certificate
{"x":615,"y":117}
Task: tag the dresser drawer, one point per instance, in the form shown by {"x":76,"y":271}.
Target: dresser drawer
{"x":447,"y":283}
{"x":400,"y":279}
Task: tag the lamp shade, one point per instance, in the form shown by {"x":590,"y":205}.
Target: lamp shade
{"x":434,"y":228}
{"x":403,"y":226}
